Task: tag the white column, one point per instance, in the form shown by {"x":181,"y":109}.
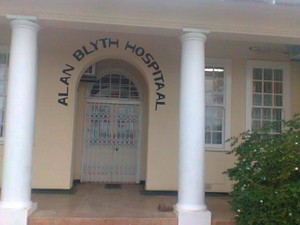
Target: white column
{"x":20,"y":121}
{"x":191,"y":206}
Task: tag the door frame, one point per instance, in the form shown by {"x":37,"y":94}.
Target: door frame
{"x":116,"y":102}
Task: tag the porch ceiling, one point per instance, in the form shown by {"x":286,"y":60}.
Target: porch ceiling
{"x":227,"y":19}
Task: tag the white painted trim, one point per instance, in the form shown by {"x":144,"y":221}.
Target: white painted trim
{"x":249,"y":85}
{"x":113,"y":101}
{"x":21,"y":17}
{"x":227,"y":64}
{"x":285,"y":66}
{"x":195,"y":30}
{"x":287,"y":92}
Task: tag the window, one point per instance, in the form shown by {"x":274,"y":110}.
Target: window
{"x":217,"y":103}
{"x":268,"y":93}
{"x":3,"y":82}
{"x":114,"y":86}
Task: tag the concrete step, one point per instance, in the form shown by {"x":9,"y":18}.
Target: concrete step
{"x":115,"y":221}
{"x":94,"y":221}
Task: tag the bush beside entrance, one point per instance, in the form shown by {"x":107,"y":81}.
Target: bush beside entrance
{"x":267,"y":175}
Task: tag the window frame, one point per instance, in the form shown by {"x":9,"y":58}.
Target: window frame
{"x":5,"y":49}
{"x":226,"y":64}
{"x":286,"y":93}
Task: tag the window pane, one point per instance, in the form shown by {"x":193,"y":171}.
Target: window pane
{"x":267,"y":100}
{"x":114,"y":91}
{"x":277,"y":114}
{"x":267,"y":87}
{"x":218,"y":99}
{"x":267,"y":114}
{"x":2,"y":87}
{"x":124,"y":81}
{"x":105,"y":80}
{"x":278,"y":75}
{"x":209,"y":98}
{"x":209,"y":116}
{"x":115,"y":79}
{"x":268,"y":74}
{"x":219,"y":114}
{"x":207,"y":137}
{"x":217,"y":125}
{"x":278,"y":100}
{"x":3,"y":58}
{"x":217,"y":138}
{"x":256,"y":113}
{"x":2,"y":108}
{"x":265,"y":122}
{"x":209,"y":79}
{"x":256,"y":124}
{"x":94,"y":91}
{"x":257,"y":74}
{"x":219,"y":84}
{"x":134,"y":95}
{"x":257,"y":100}
{"x":2,"y":72}
{"x":208,"y":84}
{"x":124,"y":92}
{"x":278,"y":88}
{"x":277,"y":128}
{"x":257,"y":87}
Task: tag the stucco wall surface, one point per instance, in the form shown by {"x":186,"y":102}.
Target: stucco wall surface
{"x":59,"y":127}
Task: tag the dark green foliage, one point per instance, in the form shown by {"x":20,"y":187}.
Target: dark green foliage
{"x":267,"y":175}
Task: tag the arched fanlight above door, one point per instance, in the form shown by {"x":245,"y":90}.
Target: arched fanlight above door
{"x":114,"y":86}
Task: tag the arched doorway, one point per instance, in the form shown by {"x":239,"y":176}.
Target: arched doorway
{"x":112,"y":130}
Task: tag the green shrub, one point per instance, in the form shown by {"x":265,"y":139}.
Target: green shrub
{"x":266,"y":176}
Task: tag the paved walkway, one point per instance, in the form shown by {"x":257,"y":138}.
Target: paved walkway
{"x":92,"y":201}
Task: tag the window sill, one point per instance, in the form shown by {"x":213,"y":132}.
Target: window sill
{"x":217,"y":148}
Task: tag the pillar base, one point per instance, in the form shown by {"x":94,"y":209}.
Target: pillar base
{"x":12,"y":216}
{"x":192,"y":217}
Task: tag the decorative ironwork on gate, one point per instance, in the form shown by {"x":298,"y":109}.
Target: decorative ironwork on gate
{"x":111,"y":142}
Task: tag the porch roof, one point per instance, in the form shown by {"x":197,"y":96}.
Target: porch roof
{"x":225,"y":19}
